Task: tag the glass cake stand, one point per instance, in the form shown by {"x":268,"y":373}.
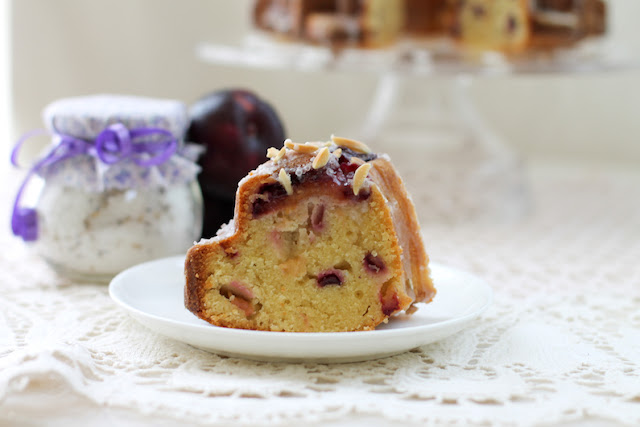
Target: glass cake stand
{"x":454,"y":165}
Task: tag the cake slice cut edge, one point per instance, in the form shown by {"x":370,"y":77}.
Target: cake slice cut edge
{"x":319,"y":243}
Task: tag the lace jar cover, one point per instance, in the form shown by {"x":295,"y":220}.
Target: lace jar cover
{"x":560,"y":343}
{"x":117,"y":186}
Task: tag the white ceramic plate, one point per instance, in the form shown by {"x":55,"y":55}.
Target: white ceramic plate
{"x":153,"y":294}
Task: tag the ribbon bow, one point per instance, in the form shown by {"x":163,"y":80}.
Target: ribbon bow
{"x":114,"y":144}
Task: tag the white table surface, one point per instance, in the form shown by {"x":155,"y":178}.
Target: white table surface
{"x":560,"y":346}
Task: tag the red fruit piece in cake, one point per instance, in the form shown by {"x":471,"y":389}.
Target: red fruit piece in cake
{"x":330,"y":277}
{"x":374,"y":264}
{"x":240,"y":296}
{"x":317,"y":218}
{"x":389,"y":299}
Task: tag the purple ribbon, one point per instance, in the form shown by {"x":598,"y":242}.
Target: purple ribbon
{"x":114,"y":144}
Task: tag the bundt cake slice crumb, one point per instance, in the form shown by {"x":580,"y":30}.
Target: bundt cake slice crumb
{"x":324,"y":239}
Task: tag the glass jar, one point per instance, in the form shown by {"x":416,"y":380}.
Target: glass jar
{"x":118,"y":186}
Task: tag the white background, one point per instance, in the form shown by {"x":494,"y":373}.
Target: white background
{"x":146,"y":47}
{"x":60,"y":48}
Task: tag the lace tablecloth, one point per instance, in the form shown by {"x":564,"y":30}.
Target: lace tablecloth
{"x":560,"y":344}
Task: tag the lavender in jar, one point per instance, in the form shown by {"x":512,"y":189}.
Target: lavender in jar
{"x":118,"y":186}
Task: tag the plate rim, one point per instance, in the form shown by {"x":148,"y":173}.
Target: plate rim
{"x":249,"y":333}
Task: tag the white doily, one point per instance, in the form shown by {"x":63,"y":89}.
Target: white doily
{"x":561,"y":342}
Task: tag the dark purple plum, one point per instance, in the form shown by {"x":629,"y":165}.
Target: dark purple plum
{"x":236,"y":127}
{"x":217,"y":211}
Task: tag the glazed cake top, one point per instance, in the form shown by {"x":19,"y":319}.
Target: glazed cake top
{"x":343,"y":161}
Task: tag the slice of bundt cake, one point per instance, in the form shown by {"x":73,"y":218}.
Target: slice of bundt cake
{"x":325,"y":238}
